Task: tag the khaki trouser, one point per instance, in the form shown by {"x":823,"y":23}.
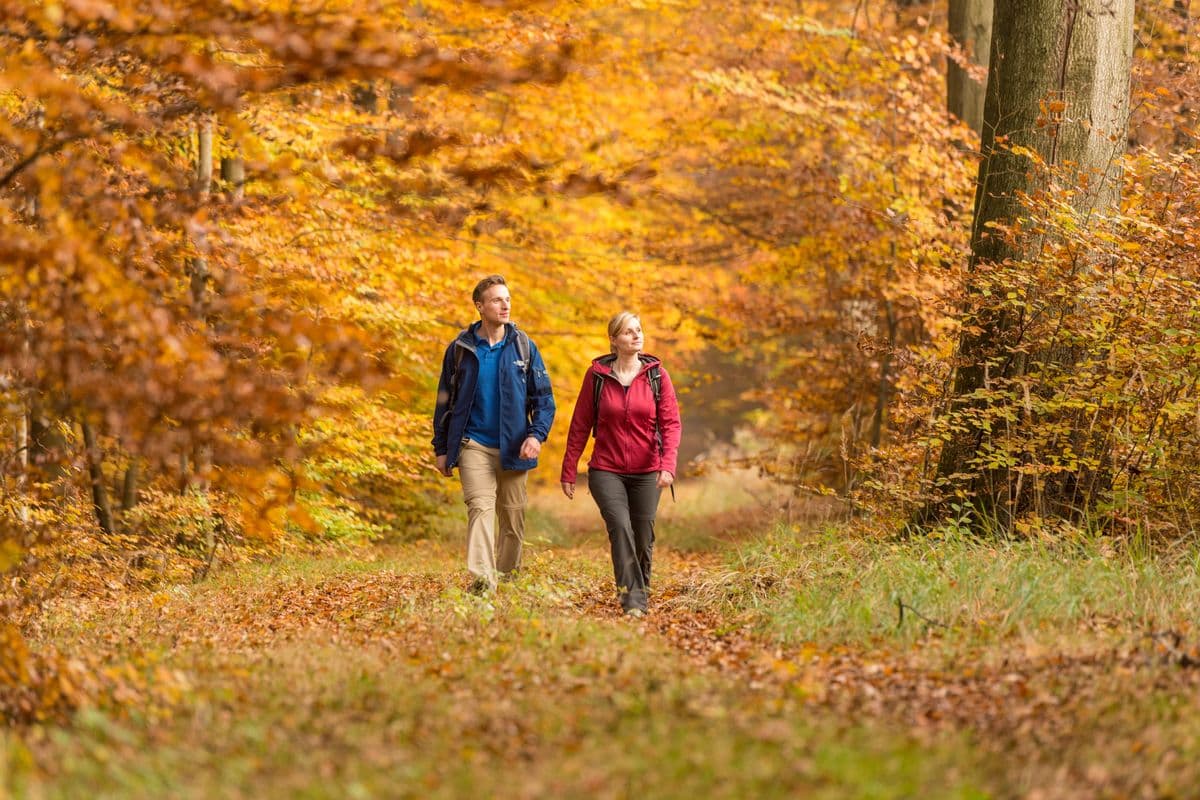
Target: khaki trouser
{"x":490,"y":491}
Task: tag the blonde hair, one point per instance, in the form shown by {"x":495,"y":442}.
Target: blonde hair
{"x":617,"y":324}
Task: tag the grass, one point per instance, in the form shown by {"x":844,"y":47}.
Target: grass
{"x":838,"y":587}
{"x":371,"y":672}
{"x":316,"y":683}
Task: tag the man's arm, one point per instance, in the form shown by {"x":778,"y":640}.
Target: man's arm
{"x":442,"y":410}
{"x":540,"y":400}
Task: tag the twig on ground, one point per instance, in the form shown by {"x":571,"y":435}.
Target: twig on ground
{"x":1171,"y":641}
{"x":900,"y":608}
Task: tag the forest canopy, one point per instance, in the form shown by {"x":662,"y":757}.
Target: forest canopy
{"x":236,"y":237}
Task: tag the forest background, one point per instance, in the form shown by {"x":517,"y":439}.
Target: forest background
{"x":237,"y":237}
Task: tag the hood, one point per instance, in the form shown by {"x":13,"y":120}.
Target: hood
{"x":603,"y":365}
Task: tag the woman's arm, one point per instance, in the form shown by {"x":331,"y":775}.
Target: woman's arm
{"x":669,"y":424}
{"x":581,"y":428}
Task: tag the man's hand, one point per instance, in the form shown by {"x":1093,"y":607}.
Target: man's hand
{"x":531,"y":447}
{"x":665,"y":479}
{"x":441,"y":467}
{"x":569,"y":490}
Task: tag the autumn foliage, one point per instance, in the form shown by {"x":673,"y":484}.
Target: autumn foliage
{"x":236,"y":236}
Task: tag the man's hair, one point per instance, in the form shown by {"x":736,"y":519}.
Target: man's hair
{"x":485,"y":284}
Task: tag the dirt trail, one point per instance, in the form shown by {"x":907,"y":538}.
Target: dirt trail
{"x":1028,"y":706}
{"x":1022,"y":709}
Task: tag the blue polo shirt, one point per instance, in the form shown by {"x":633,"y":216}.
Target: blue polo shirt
{"x":484,"y":424}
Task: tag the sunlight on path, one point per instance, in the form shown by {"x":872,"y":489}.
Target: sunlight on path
{"x":373,"y":673}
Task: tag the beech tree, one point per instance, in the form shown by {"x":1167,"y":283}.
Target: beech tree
{"x":140,"y":319}
{"x":1055,"y":116}
{"x":970,"y":29}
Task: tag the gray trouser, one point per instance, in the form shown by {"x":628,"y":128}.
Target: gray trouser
{"x":628,"y":504}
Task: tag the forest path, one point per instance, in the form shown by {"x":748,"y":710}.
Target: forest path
{"x":372,"y":673}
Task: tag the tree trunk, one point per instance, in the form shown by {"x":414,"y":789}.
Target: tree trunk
{"x":204,"y":174}
{"x":885,"y":379}
{"x":199,"y":265}
{"x":1183,"y":134}
{"x":970,"y":29}
{"x":400,"y":100}
{"x":129,"y":487}
{"x":364,"y":97}
{"x":96,"y":473}
{"x":47,"y":445}
{"x":233,"y":175}
{"x":22,"y":444}
{"x":44,"y":445}
{"x":1058,"y":85}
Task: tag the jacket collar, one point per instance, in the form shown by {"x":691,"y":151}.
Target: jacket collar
{"x":468,"y":335}
{"x":603,"y":365}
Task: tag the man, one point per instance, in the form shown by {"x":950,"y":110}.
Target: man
{"x":494,"y":410}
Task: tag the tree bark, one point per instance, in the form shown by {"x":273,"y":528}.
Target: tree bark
{"x":95,"y":461}
{"x":970,"y":29}
{"x":199,"y":265}
{"x":47,"y":445}
{"x":364,"y":97}
{"x":22,"y":444}
{"x":233,"y":175}
{"x":884,"y":392}
{"x":129,"y":487}
{"x":400,"y":100}
{"x":1058,"y":85}
{"x":204,"y":174}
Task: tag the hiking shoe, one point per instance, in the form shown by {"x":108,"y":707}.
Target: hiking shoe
{"x":480,"y":588}
{"x":636,"y":613}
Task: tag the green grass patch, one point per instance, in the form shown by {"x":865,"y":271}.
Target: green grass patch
{"x":838,"y":587}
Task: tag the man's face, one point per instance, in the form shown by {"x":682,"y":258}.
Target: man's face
{"x":495,"y":306}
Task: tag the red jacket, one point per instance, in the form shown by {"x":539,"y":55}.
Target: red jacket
{"x":625,"y":439}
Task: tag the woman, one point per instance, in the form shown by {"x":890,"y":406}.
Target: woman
{"x":628,"y":404}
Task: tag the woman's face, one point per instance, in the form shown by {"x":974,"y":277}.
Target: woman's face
{"x":629,"y":340}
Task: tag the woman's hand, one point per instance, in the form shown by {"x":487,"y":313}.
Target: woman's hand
{"x":569,"y":490}
{"x":665,"y":479}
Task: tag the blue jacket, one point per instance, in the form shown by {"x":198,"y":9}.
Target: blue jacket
{"x":526,"y":399}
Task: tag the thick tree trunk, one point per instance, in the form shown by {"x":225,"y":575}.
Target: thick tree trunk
{"x":1058,"y":85}
{"x":970,"y":29}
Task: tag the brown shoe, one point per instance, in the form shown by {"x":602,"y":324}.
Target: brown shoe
{"x":480,"y":588}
